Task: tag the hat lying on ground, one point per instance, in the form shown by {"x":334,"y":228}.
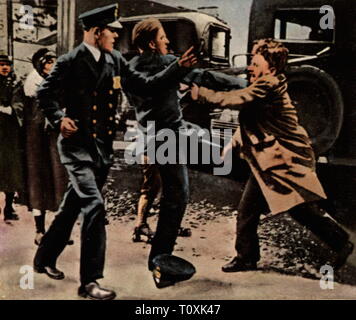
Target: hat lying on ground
{"x":101,"y":17}
{"x":169,"y":269}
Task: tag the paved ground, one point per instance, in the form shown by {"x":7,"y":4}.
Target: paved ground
{"x":285,"y":247}
{"x":208,"y":248}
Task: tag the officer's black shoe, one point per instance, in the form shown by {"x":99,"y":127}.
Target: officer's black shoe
{"x":237,"y":264}
{"x":93,"y":291}
{"x":343,"y":255}
{"x":10,"y":216}
{"x":52,"y":272}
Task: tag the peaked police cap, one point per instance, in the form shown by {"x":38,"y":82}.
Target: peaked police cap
{"x":102,"y":17}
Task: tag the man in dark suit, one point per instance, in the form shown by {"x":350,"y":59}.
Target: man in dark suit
{"x":86,"y":82}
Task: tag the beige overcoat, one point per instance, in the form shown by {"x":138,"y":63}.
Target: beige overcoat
{"x":272,"y":141}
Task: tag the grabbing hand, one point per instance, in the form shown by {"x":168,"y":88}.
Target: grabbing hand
{"x":227,"y":149}
{"x":188,"y":59}
{"x":68,"y":127}
{"x":6,"y":110}
{"x":194,"y":92}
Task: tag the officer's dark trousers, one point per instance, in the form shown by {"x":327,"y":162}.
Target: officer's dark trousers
{"x":83,"y":195}
{"x":253,"y":204}
{"x":175,"y":196}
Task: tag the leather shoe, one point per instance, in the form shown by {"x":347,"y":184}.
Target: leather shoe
{"x":52,"y":272}
{"x":11,"y":216}
{"x":143,"y":230}
{"x":93,"y":291}
{"x":237,"y":264}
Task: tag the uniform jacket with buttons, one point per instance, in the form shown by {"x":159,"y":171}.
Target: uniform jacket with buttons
{"x":272,"y":141}
{"x":87,"y":91}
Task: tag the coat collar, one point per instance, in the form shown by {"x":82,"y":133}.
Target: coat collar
{"x":107,"y":69}
{"x":88,"y":58}
{"x":94,"y":51}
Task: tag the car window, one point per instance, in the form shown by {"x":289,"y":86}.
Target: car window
{"x":301,"y":25}
{"x":218,"y":43}
{"x":219,"y":40}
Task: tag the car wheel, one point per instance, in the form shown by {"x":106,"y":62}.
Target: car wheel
{"x":319,"y":103}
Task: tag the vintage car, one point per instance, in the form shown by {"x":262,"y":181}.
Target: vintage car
{"x":210,"y":36}
{"x":321,"y":67}
{"x":321,"y":38}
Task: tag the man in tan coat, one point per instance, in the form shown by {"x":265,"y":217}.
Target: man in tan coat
{"x":280,"y":155}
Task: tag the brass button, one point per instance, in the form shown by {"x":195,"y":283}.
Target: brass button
{"x":110,"y":133}
{"x":95,"y":108}
{"x":111,"y":92}
{"x":94,"y":121}
{"x":111,"y":118}
{"x":95,"y":93}
{"x":110,"y":105}
{"x":94,"y":135}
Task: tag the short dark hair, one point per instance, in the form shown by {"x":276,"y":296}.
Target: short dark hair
{"x":274,"y":52}
{"x":144,"y":32}
{"x":101,"y":26}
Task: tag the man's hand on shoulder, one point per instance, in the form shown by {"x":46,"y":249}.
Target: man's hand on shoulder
{"x":68,"y":127}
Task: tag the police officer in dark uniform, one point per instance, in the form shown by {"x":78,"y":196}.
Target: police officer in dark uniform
{"x":86,"y":82}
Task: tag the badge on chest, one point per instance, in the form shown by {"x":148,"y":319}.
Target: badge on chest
{"x":117,"y":82}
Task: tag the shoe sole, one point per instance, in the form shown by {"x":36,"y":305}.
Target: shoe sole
{"x":88,"y":296}
{"x":42,"y":270}
{"x":239,"y":270}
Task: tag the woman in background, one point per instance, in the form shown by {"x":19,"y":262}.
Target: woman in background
{"x":46,"y":177}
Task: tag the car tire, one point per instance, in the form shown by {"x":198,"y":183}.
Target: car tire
{"x":319,"y":103}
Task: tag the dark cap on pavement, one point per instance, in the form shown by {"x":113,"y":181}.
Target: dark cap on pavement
{"x":101,"y":17}
{"x":169,"y":269}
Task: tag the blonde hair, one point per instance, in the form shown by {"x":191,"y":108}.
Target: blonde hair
{"x":274,"y":52}
{"x":144,"y":32}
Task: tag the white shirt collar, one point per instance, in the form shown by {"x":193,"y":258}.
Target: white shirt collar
{"x":95,"y":51}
